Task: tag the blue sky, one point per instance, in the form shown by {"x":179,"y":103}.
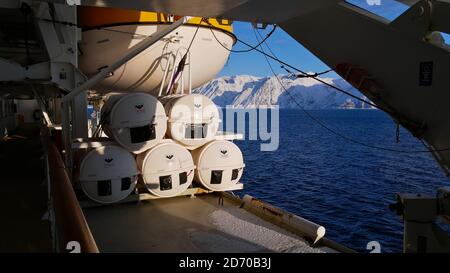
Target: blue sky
{"x":253,"y":63}
{"x":288,"y":49}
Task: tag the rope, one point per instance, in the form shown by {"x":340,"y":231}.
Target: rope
{"x":246,"y":50}
{"x":180,"y":68}
{"x":303,"y":73}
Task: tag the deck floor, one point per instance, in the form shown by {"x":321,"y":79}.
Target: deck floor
{"x":182,"y":224}
{"x":186,"y":225}
{"x":23,"y":193}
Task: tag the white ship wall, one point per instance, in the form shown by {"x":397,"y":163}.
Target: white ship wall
{"x":26,"y":109}
{"x":7,"y":117}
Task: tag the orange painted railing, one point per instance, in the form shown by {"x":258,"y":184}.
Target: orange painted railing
{"x":72,"y":232}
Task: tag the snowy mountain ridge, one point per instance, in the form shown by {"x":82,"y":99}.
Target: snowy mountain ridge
{"x":244,"y":91}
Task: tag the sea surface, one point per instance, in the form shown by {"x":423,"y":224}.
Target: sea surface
{"x":343,"y":186}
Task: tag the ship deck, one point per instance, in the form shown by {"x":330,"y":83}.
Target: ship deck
{"x":204,"y":224}
{"x":208,"y":223}
{"x":23,"y":193}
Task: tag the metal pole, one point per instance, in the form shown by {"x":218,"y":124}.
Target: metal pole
{"x":41,"y":106}
{"x":190,"y":73}
{"x":169,"y":85}
{"x":66,"y":135}
{"x":169,"y":60}
{"x":182,"y":83}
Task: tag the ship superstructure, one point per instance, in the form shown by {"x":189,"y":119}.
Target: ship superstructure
{"x":155,"y":146}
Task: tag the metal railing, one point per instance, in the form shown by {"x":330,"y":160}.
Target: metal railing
{"x":71,"y":231}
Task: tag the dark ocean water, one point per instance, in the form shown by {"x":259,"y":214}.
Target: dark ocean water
{"x":343,"y":186}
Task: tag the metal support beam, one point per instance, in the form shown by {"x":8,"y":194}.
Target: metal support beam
{"x":41,"y":104}
{"x":15,"y":72}
{"x":441,"y":18}
{"x":79,"y":116}
{"x":10,"y":4}
{"x":66,"y":134}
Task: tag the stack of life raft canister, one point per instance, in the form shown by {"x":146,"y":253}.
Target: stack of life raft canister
{"x":166,"y":144}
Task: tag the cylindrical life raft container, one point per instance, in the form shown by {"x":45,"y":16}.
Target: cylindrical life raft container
{"x":136,"y":121}
{"x":220,"y":165}
{"x":193,"y":120}
{"x":108,"y":174}
{"x":167,"y":169}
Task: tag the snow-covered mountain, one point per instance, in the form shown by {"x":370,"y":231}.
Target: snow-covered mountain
{"x":245,"y":91}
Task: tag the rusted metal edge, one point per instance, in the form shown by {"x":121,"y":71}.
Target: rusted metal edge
{"x":85,"y":204}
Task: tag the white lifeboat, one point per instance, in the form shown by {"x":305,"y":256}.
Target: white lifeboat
{"x":109,"y":32}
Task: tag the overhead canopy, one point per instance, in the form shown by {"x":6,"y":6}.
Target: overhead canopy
{"x":263,"y":11}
